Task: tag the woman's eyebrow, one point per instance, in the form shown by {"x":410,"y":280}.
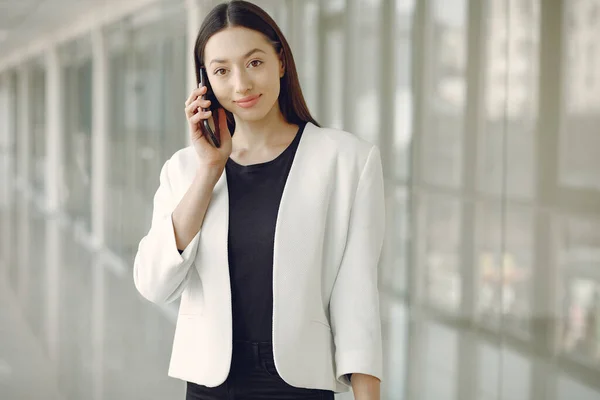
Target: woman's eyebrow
{"x":248,"y":54}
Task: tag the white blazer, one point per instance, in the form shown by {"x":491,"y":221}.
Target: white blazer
{"x":328,"y":239}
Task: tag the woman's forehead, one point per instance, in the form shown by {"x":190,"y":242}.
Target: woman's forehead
{"x":235,"y":43}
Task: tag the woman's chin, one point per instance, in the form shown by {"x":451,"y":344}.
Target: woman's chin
{"x":251,"y":115}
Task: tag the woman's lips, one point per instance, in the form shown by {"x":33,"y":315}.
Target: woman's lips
{"x":249,"y":103}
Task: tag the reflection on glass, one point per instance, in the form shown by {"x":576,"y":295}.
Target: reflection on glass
{"x":37,"y":124}
{"x":333,"y":114}
{"x":367,"y":57}
{"x":504,"y":267}
{"x":441,"y":250}
{"x":507,"y":142}
{"x":98,"y":318}
{"x":394,"y":254}
{"x":147,"y":60}
{"x":8,"y":151}
{"x":445,"y":100}
{"x":579,"y":139}
{"x":395,"y":323}
{"x":20,"y":173}
{"x":21,"y":270}
{"x":305,"y":46}
{"x":581,"y":327}
{"x":404,"y":96}
{"x":570,"y":389}
{"x":53,"y":266}
{"x":580,"y":295}
{"x":439,"y":362}
{"x":515,"y":372}
{"x":36,"y":285}
{"x":77,"y":85}
{"x":489,"y":362}
{"x":332,"y":6}
{"x":74,"y":318}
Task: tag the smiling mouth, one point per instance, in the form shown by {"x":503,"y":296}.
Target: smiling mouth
{"x":248,"y":103}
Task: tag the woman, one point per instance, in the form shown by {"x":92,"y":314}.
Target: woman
{"x":272,"y":240}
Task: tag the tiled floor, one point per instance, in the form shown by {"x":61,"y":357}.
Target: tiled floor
{"x":72,"y":326}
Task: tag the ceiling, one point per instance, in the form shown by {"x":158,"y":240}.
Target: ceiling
{"x":24,"y":20}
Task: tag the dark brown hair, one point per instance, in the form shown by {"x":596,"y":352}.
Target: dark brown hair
{"x":245,"y":14}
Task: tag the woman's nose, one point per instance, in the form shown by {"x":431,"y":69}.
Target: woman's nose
{"x":243,"y":84}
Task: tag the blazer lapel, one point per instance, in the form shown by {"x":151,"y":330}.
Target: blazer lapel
{"x":298,"y":221}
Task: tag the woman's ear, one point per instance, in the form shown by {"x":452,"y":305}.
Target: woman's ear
{"x":281,"y":64}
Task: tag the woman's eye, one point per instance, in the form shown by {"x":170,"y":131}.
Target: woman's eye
{"x":255,"y":63}
{"x":217,"y":71}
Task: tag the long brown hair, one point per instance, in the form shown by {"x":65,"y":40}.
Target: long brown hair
{"x":245,"y":14}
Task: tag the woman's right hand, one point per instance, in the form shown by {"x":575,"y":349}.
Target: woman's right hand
{"x":209,"y":156}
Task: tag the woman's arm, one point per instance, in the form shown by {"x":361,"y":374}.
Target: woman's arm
{"x":354,"y":304}
{"x":365,"y":387}
{"x":160,"y":271}
{"x":189,"y":213}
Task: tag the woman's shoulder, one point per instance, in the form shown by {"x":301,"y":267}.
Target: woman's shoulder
{"x":180,"y":164}
{"x":345,"y":144}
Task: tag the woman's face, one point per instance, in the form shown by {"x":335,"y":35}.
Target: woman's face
{"x":242,"y":65}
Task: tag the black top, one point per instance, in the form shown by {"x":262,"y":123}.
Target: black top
{"x":254,"y":195}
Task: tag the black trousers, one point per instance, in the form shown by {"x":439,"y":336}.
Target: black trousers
{"x":253,"y":377}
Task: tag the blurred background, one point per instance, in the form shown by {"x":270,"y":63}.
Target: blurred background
{"x":487,"y":113}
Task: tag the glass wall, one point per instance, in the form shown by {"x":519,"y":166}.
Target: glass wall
{"x":147,"y":69}
{"x":37,"y":124}
{"x":8,"y":151}
{"x":577,"y":225}
{"x":76,"y":74}
{"x":486,"y":115}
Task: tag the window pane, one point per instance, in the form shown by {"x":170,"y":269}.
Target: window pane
{"x":364,"y":117}
{"x":504,"y":257}
{"x":445,"y":99}
{"x":579,"y":138}
{"x":147,"y":67}
{"x":77,"y":134}
{"x":507,"y":140}
{"x":395,"y":323}
{"x":579,"y":257}
{"x":332,"y":113}
{"x":404,"y":104}
{"x":8,"y":199}
{"x":305,"y":48}
{"x":37,"y":139}
{"x":394,"y":254}
{"x":440,"y":250}
{"x":440,"y":357}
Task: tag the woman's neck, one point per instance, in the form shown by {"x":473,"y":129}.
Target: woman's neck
{"x":271,"y":131}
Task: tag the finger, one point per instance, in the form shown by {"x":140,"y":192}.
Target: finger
{"x":204,"y":103}
{"x":200,"y":103}
{"x":195,"y":93}
{"x":191,"y":109}
{"x":200,"y":116}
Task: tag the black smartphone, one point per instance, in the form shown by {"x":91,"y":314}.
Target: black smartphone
{"x":211,"y":133}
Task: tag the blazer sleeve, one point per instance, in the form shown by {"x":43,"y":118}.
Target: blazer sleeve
{"x":354,"y":304}
{"x":160,"y":270}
